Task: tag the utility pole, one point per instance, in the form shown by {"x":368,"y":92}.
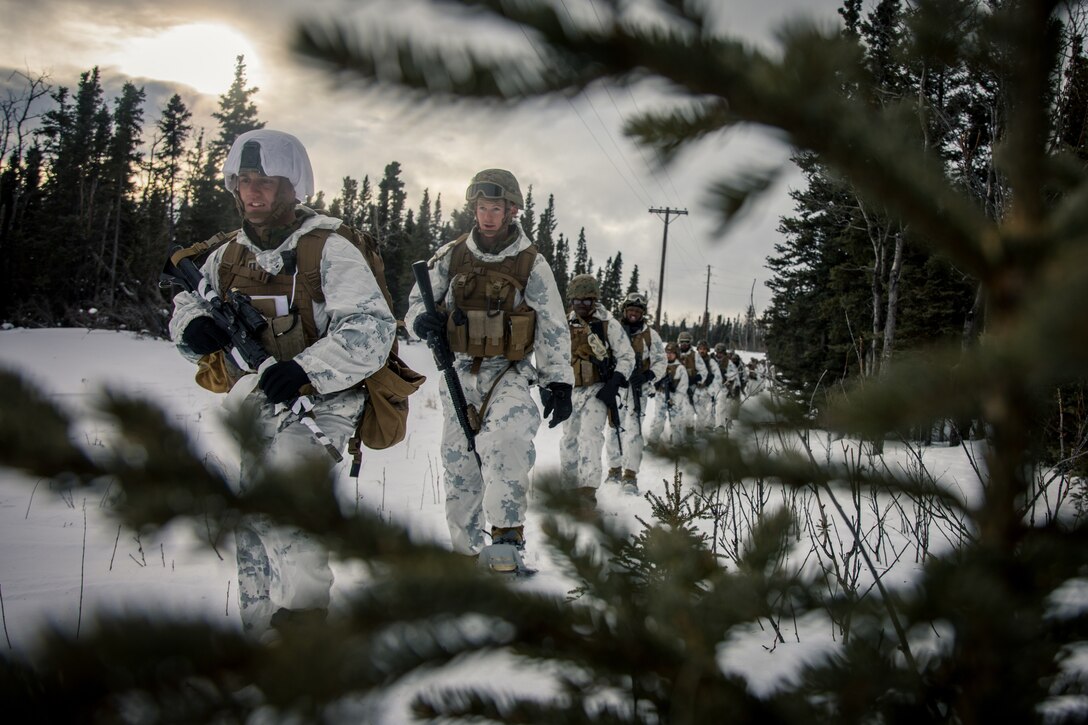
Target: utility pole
{"x":706,"y":308}
{"x":664,"y":245}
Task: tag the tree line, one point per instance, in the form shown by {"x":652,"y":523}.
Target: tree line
{"x":93,"y":195}
{"x":852,"y":283}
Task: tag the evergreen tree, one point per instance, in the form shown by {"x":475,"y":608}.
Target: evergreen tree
{"x":210,"y":208}
{"x":582,"y":262}
{"x":561,"y":266}
{"x":633,"y":282}
{"x":545,"y":234}
{"x":174,"y":128}
{"x":1072,"y":125}
{"x":121,"y":164}
{"x":77,"y":136}
{"x":527,"y":216}
{"x":388,"y":213}
{"x":611,"y":283}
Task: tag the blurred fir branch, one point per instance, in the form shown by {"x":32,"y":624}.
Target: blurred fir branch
{"x":641,"y":640}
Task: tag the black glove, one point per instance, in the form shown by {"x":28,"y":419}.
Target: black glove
{"x":557,"y":404}
{"x":648,"y":376}
{"x":429,"y":322}
{"x":608,"y":391}
{"x":698,"y":377}
{"x":637,"y":378}
{"x":282,"y":381}
{"x":203,"y":336}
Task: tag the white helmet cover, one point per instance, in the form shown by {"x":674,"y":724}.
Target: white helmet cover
{"x":281,"y":155}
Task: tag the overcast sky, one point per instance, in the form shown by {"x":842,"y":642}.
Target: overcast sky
{"x":572,"y":149}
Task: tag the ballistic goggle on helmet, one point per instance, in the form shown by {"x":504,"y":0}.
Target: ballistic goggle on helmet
{"x":495,"y":184}
{"x":635,"y":299}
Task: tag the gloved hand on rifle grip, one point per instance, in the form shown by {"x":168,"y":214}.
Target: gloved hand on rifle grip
{"x":557,"y":402}
{"x":282,"y":381}
{"x":607,"y":393}
{"x":428,"y":322}
{"x":203,"y":336}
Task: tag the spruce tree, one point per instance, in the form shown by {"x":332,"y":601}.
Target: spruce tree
{"x":582,"y":262}
{"x":545,"y":233}
{"x":211,"y":208}
{"x":122,"y":160}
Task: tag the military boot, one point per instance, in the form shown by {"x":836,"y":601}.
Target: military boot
{"x":513,"y":535}
{"x":630,"y":481}
{"x":613,"y":475}
{"x":586,"y":506}
{"x":503,"y":555}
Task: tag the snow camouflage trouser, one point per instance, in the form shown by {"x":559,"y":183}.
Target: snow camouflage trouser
{"x":678,"y":415}
{"x":282,"y":567}
{"x":704,"y":414}
{"x":497,"y":495}
{"x":633,"y":438}
{"x":583,"y":438}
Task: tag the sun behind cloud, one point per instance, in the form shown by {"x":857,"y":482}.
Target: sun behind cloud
{"x":201,"y":55}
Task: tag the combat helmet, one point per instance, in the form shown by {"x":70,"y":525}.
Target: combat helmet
{"x":272,"y":153}
{"x":672,"y":347}
{"x":684,"y":336}
{"x":719,"y":348}
{"x":583,"y":286}
{"x":495,"y":184}
{"x":635,"y":299}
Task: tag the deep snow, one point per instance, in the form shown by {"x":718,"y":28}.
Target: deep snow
{"x":63,"y":559}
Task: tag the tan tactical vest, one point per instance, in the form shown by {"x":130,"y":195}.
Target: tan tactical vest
{"x":687,"y":359}
{"x":640,"y":343}
{"x":238,"y":269}
{"x":485,"y":321}
{"x":286,"y":335}
{"x":706,"y":361}
{"x":581,"y":351}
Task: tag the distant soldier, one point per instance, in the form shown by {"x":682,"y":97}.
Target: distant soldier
{"x":707,"y":390}
{"x":634,"y":401}
{"x":693,"y":363}
{"x":602,"y":359}
{"x":735,"y":378}
{"x":756,"y":382}
{"x":671,"y":402}
{"x":722,"y":402}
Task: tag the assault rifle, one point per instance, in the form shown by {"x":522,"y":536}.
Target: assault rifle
{"x":637,"y":397}
{"x":235,"y":315}
{"x":443,"y":358}
{"x":665,"y":384}
{"x":606,"y":366}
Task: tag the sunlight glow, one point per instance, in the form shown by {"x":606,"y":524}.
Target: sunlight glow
{"x":201,"y":55}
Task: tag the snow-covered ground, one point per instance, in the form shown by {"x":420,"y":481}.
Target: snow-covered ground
{"x":63,"y":559}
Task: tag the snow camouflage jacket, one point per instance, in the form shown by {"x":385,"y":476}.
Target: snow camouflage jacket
{"x":619,"y":345}
{"x":550,"y":361}
{"x":358,"y":327}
